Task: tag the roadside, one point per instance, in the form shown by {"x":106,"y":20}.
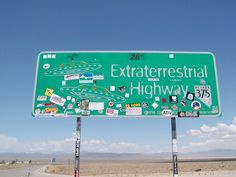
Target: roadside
{"x":189,"y":174}
{"x":144,"y":168}
{"x":41,"y":172}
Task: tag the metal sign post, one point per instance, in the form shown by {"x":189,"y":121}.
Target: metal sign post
{"x":174,"y":147}
{"x":77,"y":147}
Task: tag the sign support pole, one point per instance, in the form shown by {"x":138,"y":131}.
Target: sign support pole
{"x":174,"y":147}
{"x":77,"y":147}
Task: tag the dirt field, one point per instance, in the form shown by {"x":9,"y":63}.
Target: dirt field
{"x":5,"y":167}
{"x":147,"y":168}
{"x":13,"y":166}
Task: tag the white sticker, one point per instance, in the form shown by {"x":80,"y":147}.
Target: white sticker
{"x":86,"y":78}
{"x":68,"y":97}
{"x":70,"y":106}
{"x":155,"y":105}
{"x":77,"y":110}
{"x":175,"y":149}
{"x":127,"y":95}
{"x":42,"y":98}
{"x":203,"y":82}
{"x":85,"y":113}
{"x":57,"y":100}
{"x":203,"y":93}
{"x":174,"y":142}
{"x":118,"y":105}
{"x":61,"y":115}
{"x":111,"y":112}
{"x":157,"y":98}
{"x":153,"y":79}
{"x":167,"y":113}
{"x":39,"y":105}
{"x":46,"y":66}
{"x":112,"y":88}
{"x":98,"y":77}
{"x":171,"y":55}
{"x":196,"y":105}
{"x":37,"y":111}
{"x":71,"y":77}
{"x":96,"y":105}
{"x":63,"y":83}
{"x":215,"y":109}
{"x":133,"y":111}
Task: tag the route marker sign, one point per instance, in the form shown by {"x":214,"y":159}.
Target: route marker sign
{"x":126,"y":84}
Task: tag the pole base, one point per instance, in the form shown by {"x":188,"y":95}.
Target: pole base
{"x":76,"y":173}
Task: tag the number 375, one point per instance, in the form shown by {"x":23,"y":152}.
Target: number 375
{"x":203,"y":93}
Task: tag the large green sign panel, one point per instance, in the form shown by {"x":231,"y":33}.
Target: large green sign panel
{"x":133,"y":83}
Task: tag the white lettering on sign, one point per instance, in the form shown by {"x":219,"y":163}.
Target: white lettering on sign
{"x":156,"y":89}
{"x":183,"y":72}
{"x":156,"y":74}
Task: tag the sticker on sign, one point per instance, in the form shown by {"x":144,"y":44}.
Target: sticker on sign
{"x":167,"y":113}
{"x":133,"y":111}
{"x":57,"y":100}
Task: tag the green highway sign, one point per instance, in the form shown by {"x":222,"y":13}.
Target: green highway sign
{"x":126,"y":84}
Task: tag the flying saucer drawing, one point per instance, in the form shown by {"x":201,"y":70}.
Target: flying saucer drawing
{"x":93,"y":93}
{"x":73,"y":68}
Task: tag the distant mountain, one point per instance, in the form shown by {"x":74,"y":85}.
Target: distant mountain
{"x":32,"y":156}
{"x":163,"y":156}
{"x":124,"y":156}
{"x":217,"y":153}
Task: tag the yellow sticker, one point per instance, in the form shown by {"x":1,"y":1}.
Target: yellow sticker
{"x":49,"y":92}
{"x":133,"y":105}
{"x":94,"y":88}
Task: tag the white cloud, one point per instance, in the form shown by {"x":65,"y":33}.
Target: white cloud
{"x":220,"y":136}
{"x":234,"y":120}
{"x":103,"y":146}
{"x":11,"y":144}
{"x":194,"y":132}
{"x":7,"y":142}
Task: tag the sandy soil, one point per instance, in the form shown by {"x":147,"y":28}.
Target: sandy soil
{"x":188,"y":174}
{"x":5,"y":167}
{"x":147,"y":169}
{"x":13,"y":166}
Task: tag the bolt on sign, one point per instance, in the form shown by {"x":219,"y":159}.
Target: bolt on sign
{"x":126,"y":84}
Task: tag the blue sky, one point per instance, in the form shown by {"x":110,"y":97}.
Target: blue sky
{"x":28,"y":28}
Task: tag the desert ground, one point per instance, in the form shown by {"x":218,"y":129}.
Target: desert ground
{"x":148,"y":168}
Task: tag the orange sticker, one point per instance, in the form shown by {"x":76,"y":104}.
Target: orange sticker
{"x":51,"y":110}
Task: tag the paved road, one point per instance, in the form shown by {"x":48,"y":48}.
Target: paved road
{"x":35,"y":171}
